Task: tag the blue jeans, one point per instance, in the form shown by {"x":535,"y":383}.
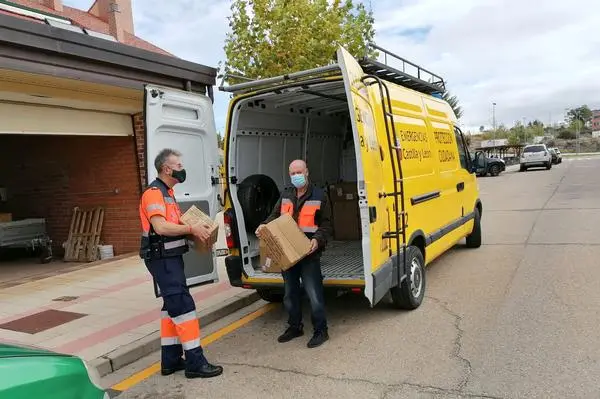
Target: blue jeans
{"x":309,"y":271}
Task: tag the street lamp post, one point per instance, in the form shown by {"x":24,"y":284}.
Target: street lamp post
{"x":494,"y":121}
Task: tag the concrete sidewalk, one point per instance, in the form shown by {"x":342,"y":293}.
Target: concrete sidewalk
{"x":106,"y":313}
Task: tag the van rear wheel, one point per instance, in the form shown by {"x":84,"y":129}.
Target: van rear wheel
{"x":270,"y":295}
{"x":409,"y":295}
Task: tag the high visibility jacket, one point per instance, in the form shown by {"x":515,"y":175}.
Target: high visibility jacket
{"x":159,"y":199}
{"x":311,"y":211}
{"x":308,"y":211}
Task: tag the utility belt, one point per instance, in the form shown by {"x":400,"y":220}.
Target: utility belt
{"x":156,"y":247}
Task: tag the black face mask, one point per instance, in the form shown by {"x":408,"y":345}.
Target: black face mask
{"x":179,"y":175}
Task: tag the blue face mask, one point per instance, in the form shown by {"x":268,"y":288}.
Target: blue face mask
{"x":298,"y":180}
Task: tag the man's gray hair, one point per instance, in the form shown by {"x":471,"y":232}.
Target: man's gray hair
{"x":163,"y":156}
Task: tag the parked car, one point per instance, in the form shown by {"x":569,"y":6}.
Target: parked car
{"x":556,"y":156}
{"x":485,"y":164}
{"x":31,"y":372}
{"x":535,"y":155}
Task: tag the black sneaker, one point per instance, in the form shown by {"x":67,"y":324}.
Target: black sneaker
{"x":290,"y":334}
{"x":318,"y":338}
{"x":170,"y":370}
{"x":205,"y":371}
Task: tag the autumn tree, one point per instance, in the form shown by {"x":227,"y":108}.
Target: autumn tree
{"x":275,"y":37}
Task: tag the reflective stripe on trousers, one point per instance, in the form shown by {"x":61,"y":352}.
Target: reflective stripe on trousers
{"x":184,"y":329}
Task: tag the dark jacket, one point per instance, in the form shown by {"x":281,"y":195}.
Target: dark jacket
{"x":322,"y":217}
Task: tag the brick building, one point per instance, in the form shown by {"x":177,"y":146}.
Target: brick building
{"x":596,"y":120}
{"x":71,"y":105}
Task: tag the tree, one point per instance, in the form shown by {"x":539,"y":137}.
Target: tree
{"x":275,"y":37}
{"x":579,"y":116}
{"x":453,"y":102}
{"x":481,"y":128}
{"x":220,"y":141}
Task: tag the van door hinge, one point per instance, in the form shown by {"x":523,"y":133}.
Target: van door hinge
{"x":233,"y":180}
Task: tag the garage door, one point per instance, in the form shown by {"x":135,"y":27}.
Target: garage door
{"x":21,"y":118}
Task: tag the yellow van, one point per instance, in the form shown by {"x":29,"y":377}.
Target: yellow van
{"x":381,"y":142}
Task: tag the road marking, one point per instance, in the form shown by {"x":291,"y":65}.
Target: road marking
{"x":155,"y":368}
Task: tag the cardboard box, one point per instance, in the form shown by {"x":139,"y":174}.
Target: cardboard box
{"x":345,"y":211}
{"x":285,"y":244}
{"x":346,"y":221}
{"x":194,"y":216}
{"x":5,"y":217}
{"x":267,"y":264}
{"x":345,"y":191}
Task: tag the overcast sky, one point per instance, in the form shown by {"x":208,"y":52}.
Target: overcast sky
{"x":532,"y":60}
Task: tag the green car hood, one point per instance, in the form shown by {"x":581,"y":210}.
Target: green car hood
{"x":7,"y":350}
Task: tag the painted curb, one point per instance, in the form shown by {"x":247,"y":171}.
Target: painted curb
{"x":142,"y":347}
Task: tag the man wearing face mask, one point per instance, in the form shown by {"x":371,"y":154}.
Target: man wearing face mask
{"x":308,"y":205}
{"x":164,"y":241}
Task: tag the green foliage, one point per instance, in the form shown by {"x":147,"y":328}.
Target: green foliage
{"x":275,"y":37}
{"x":579,"y":116}
{"x":566,"y":134}
{"x":454,"y":103}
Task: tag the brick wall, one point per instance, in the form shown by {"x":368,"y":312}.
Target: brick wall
{"x":46,"y":176}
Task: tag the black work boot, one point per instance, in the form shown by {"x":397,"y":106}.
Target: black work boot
{"x":290,"y":334}
{"x":180,"y":365}
{"x":205,"y":371}
{"x":318,"y":338}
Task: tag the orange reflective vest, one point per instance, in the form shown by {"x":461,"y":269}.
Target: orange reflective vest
{"x":307,"y":215}
{"x":158,"y":199}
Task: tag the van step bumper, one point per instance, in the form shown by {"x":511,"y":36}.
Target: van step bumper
{"x":233,"y":265}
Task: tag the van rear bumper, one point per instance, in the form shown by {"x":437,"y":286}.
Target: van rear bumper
{"x":233,"y":265}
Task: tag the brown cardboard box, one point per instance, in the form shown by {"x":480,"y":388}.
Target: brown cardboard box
{"x":345,"y":212}
{"x":267,"y":264}
{"x":194,"y":216}
{"x":285,"y":243}
{"x":346,"y":221}
{"x":5,"y":217}
{"x":345,"y":191}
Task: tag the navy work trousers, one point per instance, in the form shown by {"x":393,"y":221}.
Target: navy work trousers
{"x":180,"y":308}
{"x":309,"y":271}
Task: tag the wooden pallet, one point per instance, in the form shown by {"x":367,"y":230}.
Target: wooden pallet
{"x":84,"y":235}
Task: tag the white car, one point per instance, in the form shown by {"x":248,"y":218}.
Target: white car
{"x":535,"y":155}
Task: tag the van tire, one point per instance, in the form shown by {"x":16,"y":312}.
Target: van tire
{"x":403,"y":296}
{"x":270,"y":295}
{"x":474,"y":239}
{"x":257,"y":194}
{"x":549,"y":165}
{"x":523,"y":168}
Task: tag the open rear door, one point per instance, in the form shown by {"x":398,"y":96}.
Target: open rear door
{"x":369,"y":173}
{"x":184,"y":121}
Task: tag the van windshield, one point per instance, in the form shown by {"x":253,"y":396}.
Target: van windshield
{"x":534,"y":148}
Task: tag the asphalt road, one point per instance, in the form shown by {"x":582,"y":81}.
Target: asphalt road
{"x":517,"y":318}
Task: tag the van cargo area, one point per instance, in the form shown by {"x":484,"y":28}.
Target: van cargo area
{"x":270,"y":130}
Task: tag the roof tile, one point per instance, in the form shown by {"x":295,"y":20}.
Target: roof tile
{"x":86,"y":20}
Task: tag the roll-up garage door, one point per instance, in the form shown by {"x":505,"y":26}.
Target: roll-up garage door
{"x":22,"y":118}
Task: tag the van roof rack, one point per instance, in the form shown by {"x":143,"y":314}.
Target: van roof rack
{"x":420,"y":80}
{"x":416,"y":81}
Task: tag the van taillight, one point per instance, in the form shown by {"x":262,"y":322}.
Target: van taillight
{"x":228,"y":225}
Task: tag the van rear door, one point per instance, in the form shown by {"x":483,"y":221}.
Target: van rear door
{"x":369,"y":176}
{"x":184,"y":121}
